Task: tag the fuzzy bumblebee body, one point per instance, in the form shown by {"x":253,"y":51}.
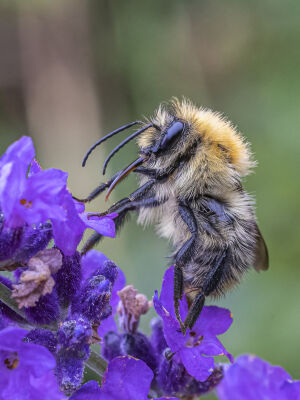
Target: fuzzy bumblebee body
{"x":191,"y":164}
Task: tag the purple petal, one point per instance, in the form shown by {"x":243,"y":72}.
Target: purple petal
{"x":290,"y":390}
{"x":103,"y":225}
{"x":72,"y":228}
{"x":34,"y":168}
{"x":37,"y":358}
{"x":11,"y":338}
{"x":43,"y":196}
{"x":198,"y":366}
{"x":119,"y":284}
{"x":107,"y":325}
{"x":127,"y":378}
{"x":254,"y":376}
{"x":80,"y":207}
{"x":213,"y":347}
{"x":88,"y":391}
{"x":12,"y":184}
{"x":41,"y":385}
{"x":21,"y":151}
{"x":92,"y":261}
{"x":166,"y":298}
{"x":172,"y":332}
{"x":213,"y":321}
{"x":167,"y":398}
{"x":166,"y":295}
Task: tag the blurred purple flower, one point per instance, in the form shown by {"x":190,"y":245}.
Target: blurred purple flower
{"x":251,"y":378}
{"x":26,"y":369}
{"x":125,"y":378}
{"x":40,"y":195}
{"x":195,"y":350}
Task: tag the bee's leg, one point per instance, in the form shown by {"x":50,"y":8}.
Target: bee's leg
{"x":96,"y":192}
{"x":120,"y":219}
{"x":178,"y":291}
{"x":136,"y":195}
{"x":150,"y":172}
{"x":147,"y":202}
{"x":210,"y":284}
{"x":159,"y":176}
{"x":184,"y":255}
{"x":95,"y":238}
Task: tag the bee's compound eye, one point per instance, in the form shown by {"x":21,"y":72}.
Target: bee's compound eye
{"x":172,"y":133}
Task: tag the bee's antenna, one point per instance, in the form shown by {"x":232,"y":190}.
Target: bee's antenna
{"x":109,"y":135}
{"x":116,"y":149}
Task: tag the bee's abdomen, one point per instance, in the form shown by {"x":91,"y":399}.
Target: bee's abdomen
{"x":222,"y":230}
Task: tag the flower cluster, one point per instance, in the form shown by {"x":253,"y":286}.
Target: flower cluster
{"x":31,"y":197}
{"x":62,"y":302}
{"x":182,"y":365}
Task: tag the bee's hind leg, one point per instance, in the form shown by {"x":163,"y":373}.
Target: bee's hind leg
{"x":183,"y":256}
{"x":210,"y":284}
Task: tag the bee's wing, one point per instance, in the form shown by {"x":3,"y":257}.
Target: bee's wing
{"x":261,"y":255}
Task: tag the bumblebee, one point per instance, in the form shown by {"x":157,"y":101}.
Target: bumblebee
{"x":191,"y":164}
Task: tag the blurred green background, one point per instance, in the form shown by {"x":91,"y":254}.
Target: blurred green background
{"x":71,"y":71}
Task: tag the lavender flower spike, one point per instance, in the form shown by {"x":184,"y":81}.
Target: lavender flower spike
{"x":195,"y":350}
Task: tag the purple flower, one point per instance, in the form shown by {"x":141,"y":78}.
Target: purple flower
{"x":73,"y":339}
{"x":34,"y":239}
{"x":26,"y":369}
{"x":93,"y":300}
{"x":173,"y":379}
{"x":92,"y":261}
{"x":195,"y":350}
{"x":68,"y":278}
{"x":10,"y":240}
{"x":36,"y":197}
{"x":125,"y":378}
{"x":251,"y":378}
{"x":45,"y":311}
{"x":171,"y":376}
{"x":75,"y":222}
{"x":43,"y":337}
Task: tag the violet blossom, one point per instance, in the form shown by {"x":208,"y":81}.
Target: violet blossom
{"x":196,"y":348}
{"x":125,"y":378}
{"x":251,"y":378}
{"x":171,"y":377}
{"x":40,"y":196}
{"x":26,"y":369}
{"x":80,"y":300}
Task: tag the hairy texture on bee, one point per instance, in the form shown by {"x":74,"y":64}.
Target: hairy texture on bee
{"x":191,"y":164}
{"x":210,"y":159}
{"x":218,"y":156}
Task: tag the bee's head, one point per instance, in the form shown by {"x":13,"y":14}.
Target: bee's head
{"x":162,"y":138}
{"x":204,"y":147}
{"x":200,"y":137}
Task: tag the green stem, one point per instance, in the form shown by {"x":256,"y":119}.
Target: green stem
{"x":96,"y":364}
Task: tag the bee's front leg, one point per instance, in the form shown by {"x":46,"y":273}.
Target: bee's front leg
{"x":122,"y":208}
{"x":96,"y":192}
